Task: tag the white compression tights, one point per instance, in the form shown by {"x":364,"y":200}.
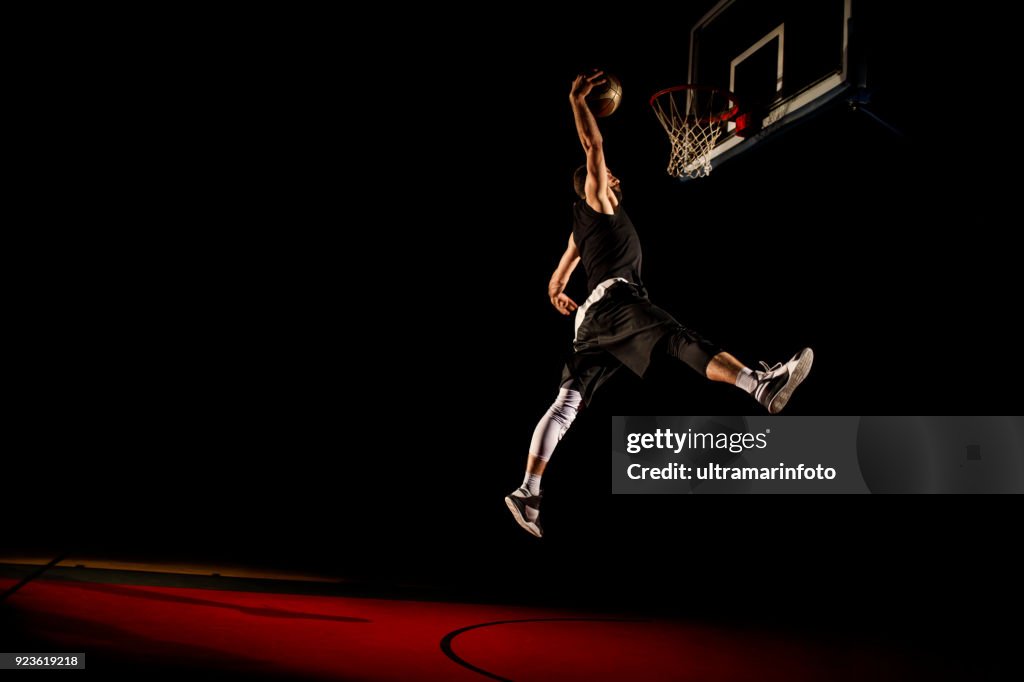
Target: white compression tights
{"x":555,"y":422}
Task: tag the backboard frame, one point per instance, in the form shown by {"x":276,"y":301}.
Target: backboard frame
{"x":784,"y":111}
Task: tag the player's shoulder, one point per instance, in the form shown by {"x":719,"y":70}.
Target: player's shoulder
{"x":582,"y":207}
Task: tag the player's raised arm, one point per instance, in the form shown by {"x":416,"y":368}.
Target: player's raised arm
{"x":593,"y":144}
{"x":570,"y":259}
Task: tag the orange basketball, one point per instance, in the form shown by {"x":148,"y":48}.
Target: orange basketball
{"x":604,"y":99}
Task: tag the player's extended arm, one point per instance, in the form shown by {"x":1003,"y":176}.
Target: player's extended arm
{"x":593,"y":143}
{"x":570,"y":259}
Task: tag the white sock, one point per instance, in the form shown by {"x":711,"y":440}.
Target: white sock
{"x":532,"y":483}
{"x":746,"y":380}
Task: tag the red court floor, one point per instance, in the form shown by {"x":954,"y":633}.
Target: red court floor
{"x":344,"y":638}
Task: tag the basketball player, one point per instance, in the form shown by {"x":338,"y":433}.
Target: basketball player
{"x":617,"y":326}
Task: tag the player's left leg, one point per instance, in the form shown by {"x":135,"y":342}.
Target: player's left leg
{"x":550,"y":429}
{"x":524,"y":502}
{"x":584,"y":373}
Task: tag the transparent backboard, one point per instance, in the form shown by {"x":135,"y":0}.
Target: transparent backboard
{"x":783,"y":59}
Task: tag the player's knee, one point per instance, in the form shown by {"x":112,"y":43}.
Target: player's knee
{"x":566,"y":406}
{"x":691,"y":348}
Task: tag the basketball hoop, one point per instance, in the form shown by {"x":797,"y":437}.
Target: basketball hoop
{"x":694,"y":117}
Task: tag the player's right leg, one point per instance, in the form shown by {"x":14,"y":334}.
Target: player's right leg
{"x":772,"y":386}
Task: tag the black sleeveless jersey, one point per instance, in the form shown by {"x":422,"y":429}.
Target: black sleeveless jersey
{"x":608,"y":244}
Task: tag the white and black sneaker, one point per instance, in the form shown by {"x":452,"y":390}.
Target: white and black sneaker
{"x":525,"y":507}
{"x":776,"y":384}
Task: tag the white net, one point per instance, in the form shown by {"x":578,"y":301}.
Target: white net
{"x":694,"y":119}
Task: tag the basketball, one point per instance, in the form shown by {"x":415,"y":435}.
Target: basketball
{"x":604,"y":99}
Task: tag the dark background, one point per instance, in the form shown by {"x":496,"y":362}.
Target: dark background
{"x":328,"y":341}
